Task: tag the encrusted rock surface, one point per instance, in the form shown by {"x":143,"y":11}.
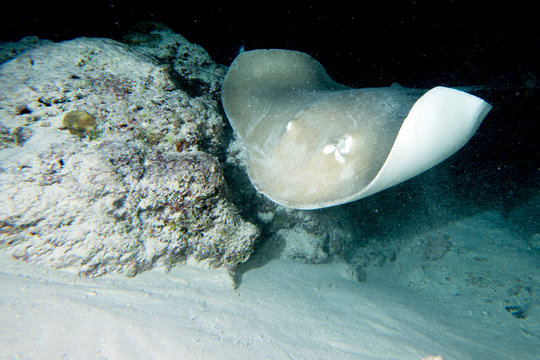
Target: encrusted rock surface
{"x":9,"y":50}
{"x":144,"y":187}
{"x":194,"y":70}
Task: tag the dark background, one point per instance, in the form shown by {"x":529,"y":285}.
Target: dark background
{"x":493,"y":45}
{"x":360,"y":43}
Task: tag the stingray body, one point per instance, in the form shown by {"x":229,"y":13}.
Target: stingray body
{"x":314,"y":143}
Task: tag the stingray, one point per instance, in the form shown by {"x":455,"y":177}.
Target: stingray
{"x":313,"y":143}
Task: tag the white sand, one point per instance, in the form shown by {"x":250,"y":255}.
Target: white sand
{"x":282,"y":310}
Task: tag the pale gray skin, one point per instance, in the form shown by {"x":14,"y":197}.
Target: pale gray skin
{"x":311,"y":142}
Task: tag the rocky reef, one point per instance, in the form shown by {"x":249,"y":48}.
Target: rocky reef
{"x":109,"y":157}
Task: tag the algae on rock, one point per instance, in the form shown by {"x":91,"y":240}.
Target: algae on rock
{"x":79,"y":123}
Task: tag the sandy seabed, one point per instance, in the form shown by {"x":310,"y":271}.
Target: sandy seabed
{"x":281,"y":310}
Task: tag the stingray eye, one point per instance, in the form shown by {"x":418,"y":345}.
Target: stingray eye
{"x":341,"y":146}
{"x":328,"y":149}
{"x":345,"y":144}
